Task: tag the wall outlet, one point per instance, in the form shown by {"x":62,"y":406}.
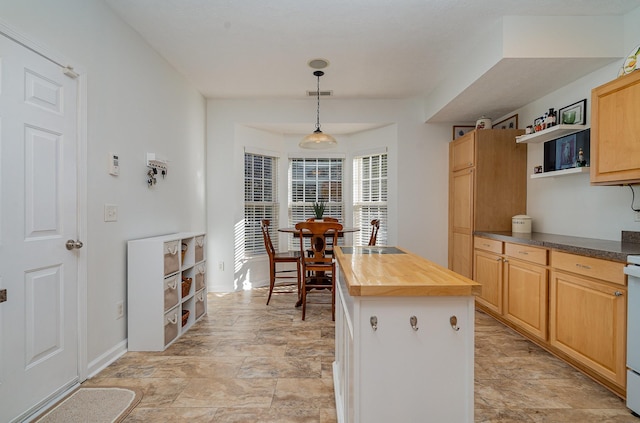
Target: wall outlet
{"x":636,"y":216}
{"x":221,"y":265}
{"x":119,"y":310}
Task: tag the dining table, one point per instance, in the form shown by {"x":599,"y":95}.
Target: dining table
{"x":294,"y":231}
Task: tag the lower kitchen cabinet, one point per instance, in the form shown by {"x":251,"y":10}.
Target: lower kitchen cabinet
{"x":514,"y":283}
{"x":525,"y":296}
{"x":387,"y":370}
{"x":588,"y":315}
{"x":488,"y":270}
{"x":574,"y":306}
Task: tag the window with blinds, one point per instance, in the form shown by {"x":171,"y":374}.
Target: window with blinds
{"x":260,"y":201}
{"x":370,"y":197}
{"x":312,"y":180}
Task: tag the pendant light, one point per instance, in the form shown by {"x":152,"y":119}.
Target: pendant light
{"x":318,"y":140}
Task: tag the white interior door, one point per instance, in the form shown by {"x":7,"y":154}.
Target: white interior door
{"x":38,"y":214}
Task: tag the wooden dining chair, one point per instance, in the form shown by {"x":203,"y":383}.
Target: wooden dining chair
{"x":375,"y":226}
{"x":318,"y":268}
{"x":329,"y":249}
{"x":276,"y":259}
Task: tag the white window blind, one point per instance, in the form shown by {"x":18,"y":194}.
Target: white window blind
{"x":260,"y":201}
{"x":311,"y":180}
{"x":370,"y":197}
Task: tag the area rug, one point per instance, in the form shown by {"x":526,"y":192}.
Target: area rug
{"x":93,"y":405}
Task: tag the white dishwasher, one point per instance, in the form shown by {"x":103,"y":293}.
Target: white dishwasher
{"x":632,"y":270}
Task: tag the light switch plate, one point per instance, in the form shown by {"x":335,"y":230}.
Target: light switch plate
{"x":110,"y":213}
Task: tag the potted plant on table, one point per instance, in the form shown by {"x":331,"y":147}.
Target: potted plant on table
{"x":318,"y":209}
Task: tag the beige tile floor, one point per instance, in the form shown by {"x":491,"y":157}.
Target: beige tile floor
{"x":248,"y":362}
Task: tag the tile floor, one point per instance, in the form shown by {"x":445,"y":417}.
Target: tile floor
{"x":248,"y":362}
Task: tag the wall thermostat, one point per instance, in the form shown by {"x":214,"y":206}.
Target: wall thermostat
{"x":114,"y":165}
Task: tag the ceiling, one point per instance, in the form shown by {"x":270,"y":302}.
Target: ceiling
{"x":377,"y":49}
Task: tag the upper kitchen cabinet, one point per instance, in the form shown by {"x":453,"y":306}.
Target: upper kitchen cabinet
{"x":487,"y":186}
{"x":615,"y":131}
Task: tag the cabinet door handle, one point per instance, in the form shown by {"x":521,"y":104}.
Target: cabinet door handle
{"x":486,"y":245}
{"x":499,"y":259}
{"x":374,"y":323}
{"x":413,"y":321}
{"x":618,"y":294}
{"x":523,"y":253}
{"x":505,"y":261}
{"x":583,"y":266}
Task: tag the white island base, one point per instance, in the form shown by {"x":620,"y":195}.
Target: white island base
{"x":392,"y":368}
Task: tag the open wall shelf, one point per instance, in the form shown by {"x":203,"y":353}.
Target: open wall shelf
{"x":549,"y":134}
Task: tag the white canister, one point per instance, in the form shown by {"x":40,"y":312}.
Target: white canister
{"x":483,"y":123}
{"x":521,"y":223}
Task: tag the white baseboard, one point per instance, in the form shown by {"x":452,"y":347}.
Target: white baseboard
{"x":102,"y":362}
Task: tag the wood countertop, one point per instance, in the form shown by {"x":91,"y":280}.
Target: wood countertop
{"x":395,"y":272}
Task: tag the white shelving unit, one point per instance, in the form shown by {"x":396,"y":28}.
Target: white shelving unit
{"x":155,"y":301}
{"x":549,"y":134}
{"x":573,"y":170}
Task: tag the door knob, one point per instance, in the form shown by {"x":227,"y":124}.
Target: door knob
{"x":73,"y":244}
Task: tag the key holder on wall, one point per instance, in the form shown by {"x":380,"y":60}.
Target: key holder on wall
{"x":155,"y":166}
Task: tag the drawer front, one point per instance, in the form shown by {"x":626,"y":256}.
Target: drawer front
{"x":199,"y":248}
{"x":606,"y":270}
{"x":200,"y":298}
{"x":171,"y":263}
{"x":171,"y":320}
{"x":528,"y":253}
{"x":487,"y":244}
{"x":171,"y":292}
{"x":200,"y":276}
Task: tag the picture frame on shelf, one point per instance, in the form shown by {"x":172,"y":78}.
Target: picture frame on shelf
{"x":573,"y":114}
{"x":566,"y":152}
{"x":460,"y":130}
{"x":509,"y":123}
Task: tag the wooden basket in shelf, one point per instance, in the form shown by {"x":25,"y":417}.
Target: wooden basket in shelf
{"x":186,"y":286}
{"x":185,"y":317}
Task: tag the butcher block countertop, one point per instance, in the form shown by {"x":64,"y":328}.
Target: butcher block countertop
{"x":395,"y":272}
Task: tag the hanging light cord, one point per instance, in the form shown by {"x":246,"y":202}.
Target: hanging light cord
{"x":633,"y":198}
{"x":318,"y":74}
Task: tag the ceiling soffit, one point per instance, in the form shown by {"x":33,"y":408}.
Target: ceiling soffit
{"x":522,"y":60}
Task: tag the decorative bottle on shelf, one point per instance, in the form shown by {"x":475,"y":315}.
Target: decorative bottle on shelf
{"x":552,"y":117}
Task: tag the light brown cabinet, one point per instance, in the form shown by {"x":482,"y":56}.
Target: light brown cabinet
{"x":488,"y":271}
{"x":526,"y":288}
{"x":588,"y":314}
{"x":487,"y":186}
{"x":514,"y":284}
{"x":572,"y":305}
{"x":615,"y":131}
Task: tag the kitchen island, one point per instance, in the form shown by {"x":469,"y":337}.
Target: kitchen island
{"x":404,"y":338}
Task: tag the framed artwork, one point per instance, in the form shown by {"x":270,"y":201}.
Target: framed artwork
{"x":509,"y":123}
{"x":573,"y":114}
{"x":566,"y":152}
{"x":460,"y":130}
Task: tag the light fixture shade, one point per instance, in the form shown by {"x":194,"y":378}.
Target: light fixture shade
{"x":318,"y":140}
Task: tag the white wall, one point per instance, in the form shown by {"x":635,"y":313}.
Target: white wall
{"x":137,"y":103}
{"x":569,"y":205}
{"x":418,"y":163}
